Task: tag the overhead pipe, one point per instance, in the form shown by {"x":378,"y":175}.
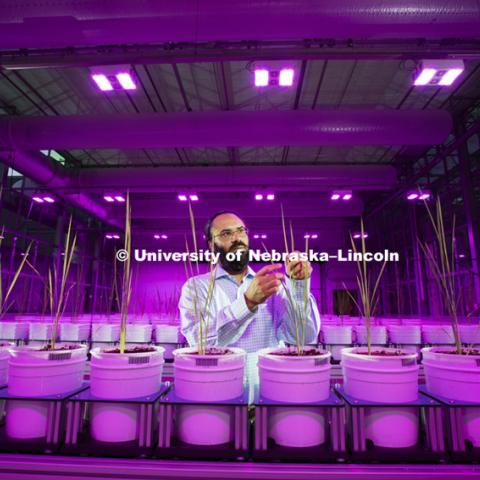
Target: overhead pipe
{"x":72,"y":23}
{"x":51,"y":176}
{"x":227,"y":129}
{"x":237,"y":178}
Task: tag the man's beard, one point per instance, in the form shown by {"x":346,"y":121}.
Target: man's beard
{"x":234,"y":266}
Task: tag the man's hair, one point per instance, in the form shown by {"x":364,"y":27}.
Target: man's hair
{"x":208,"y":225}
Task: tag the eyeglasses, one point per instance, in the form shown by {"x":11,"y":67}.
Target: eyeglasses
{"x":228,"y":234}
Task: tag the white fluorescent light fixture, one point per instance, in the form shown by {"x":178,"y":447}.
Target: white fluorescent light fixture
{"x":103,"y":83}
{"x":341,"y":194}
{"x":119,"y":198}
{"x":261,"y":77}
{"x":37,"y":199}
{"x":182,"y":197}
{"x":194,"y":197}
{"x":126,"y":81}
{"x":286,"y":77}
{"x":49,"y":199}
{"x":114,"y":77}
{"x":441,"y":72}
{"x":271,"y":196}
{"x":108,"y":198}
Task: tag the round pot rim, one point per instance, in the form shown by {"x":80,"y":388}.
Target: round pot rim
{"x":100,"y":350}
{"x":267,"y":353}
{"x":35,"y":348}
{"x":191,"y":352}
{"x":444,"y":355}
{"x":353,"y":351}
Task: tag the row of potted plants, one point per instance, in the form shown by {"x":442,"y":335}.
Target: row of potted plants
{"x":204,"y":373}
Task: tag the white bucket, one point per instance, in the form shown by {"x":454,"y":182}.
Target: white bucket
{"x":438,"y":334}
{"x":406,"y":337}
{"x":385,"y":380}
{"x":295,"y":379}
{"x":139,"y":333}
{"x":456,"y":377}
{"x":121,"y":376}
{"x":34,"y":373}
{"x":378,"y":334}
{"x":104,"y":334}
{"x":4,"y":357}
{"x":13,"y":330}
{"x":168,"y":337}
{"x":469,"y":334}
{"x":203,"y":378}
{"x":40,"y":331}
{"x":74,"y":332}
{"x":336,"y":338}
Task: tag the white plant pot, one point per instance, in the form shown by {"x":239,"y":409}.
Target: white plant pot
{"x":40,"y":331}
{"x":385,"y":380}
{"x":74,"y":332}
{"x":105,"y":334}
{"x":456,"y":377}
{"x":168,"y":337}
{"x":4,"y":357}
{"x":204,"y":378}
{"x":295,"y":379}
{"x":438,"y":334}
{"x":337,"y":337}
{"x":166,"y":333}
{"x":13,"y":330}
{"x":469,"y":334}
{"x":378,"y":334}
{"x":407,"y":337}
{"x":121,"y":376}
{"x":33,"y":373}
{"x":139,"y":333}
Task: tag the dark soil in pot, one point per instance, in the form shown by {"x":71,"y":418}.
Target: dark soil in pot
{"x":146,"y":349}
{"x":293,"y":352}
{"x":384,"y":353}
{"x":465,"y":351}
{"x":58,"y":348}
{"x":214,"y":351}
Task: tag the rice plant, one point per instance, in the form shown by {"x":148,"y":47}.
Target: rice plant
{"x":5,"y":302}
{"x":126,"y":293}
{"x":367,"y":285}
{"x":442,"y":266}
{"x":56,"y":289}
{"x":298,"y":313}
{"x":200,"y":309}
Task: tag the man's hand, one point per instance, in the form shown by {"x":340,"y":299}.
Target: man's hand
{"x":297,"y":269}
{"x":265,"y":283}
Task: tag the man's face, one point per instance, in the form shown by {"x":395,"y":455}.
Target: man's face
{"x":228,"y":236}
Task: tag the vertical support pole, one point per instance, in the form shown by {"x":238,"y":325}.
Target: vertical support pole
{"x":95,"y":273}
{"x":471,"y":215}
{"x":417,"y":263}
